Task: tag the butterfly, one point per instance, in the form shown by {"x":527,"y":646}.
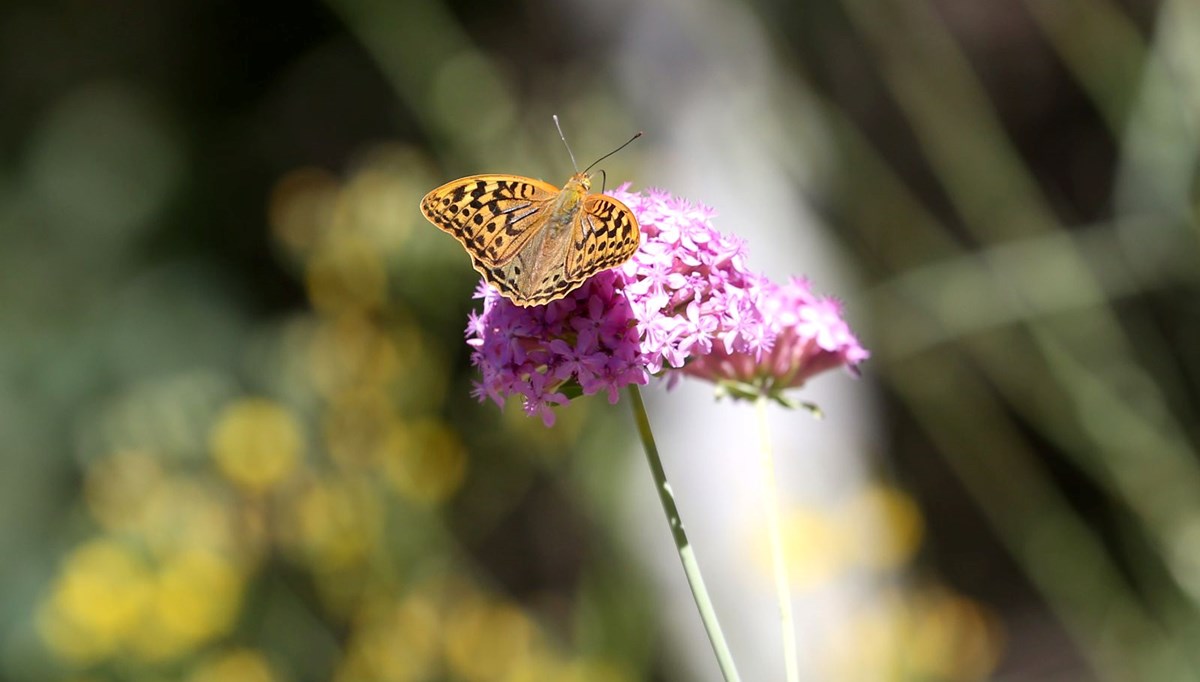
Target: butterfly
{"x":532,"y":241}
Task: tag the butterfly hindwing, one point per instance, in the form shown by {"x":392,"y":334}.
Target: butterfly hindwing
{"x":492,"y":216}
{"x":604,"y":235}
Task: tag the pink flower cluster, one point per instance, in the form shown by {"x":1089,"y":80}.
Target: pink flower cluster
{"x":684,"y":304}
{"x":808,"y":336}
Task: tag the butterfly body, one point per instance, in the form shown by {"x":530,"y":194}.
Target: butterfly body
{"x":534,"y":242}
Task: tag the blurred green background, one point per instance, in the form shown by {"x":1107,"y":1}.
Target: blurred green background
{"x":237,"y":437}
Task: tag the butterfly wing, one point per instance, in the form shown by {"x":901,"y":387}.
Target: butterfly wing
{"x":492,"y":216}
{"x":605,"y":234}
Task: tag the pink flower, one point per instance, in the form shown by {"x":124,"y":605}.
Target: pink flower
{"x":684,"y":304}
{"x":586,"y":341}
{"x":808,"y":335}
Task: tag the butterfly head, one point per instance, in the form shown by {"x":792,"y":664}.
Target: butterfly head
{"x":580,"y":182}
{"x":574,"y":191}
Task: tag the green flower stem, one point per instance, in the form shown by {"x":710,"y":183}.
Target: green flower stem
{"x":787,"y":620}
{"x":690,"y":568}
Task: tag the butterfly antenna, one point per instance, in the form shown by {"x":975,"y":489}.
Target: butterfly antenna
{"x":564,"y":139}
{"x":585,"y":170}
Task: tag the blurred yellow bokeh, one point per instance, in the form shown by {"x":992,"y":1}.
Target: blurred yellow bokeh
{"x":377,"y":203}
{"x":928,"y":634}
{"x":395,"y":642}
{"x":814,"y":545}
{"x":97,"y":602}
{"x":256,"y":443}
{"x":346,"y":274}
{"x":878,"y":529}
{"x":300,"y":209}
{"x":425,"y":461}
{"x":111,"y":600}
{"x":356,"y":424}
{"x":196,"y":598}
{"x":350,"y":350}
{"x":886,"y":524}
{"x":239,"y":665}
{"x":488,"y":640}
{"x":116,"y":486}
{"x":333,"y":524}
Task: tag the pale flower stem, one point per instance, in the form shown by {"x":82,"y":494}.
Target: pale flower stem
{"x":690,"y":568}
{"x":770,"y":498}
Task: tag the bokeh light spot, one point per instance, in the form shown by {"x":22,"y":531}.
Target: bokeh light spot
{"x":196,"y":597}
{"x":356,"y":425}
{"x":425,"y":461}
{"x":379,"y":201}
{"x":98,"y":599}
{"x":301,"y":209}
{"x":813,"y":544}
{"x":115,"y":488}
{"x":888,"y":525}
{"x":337,"y":523}
{"x":256,"y":443}
{"x":346,"y":273}
{"x":239,"y":665}
{"x":395,"y":642}
{"x":488,"y":640}
{"x":349,"y":350}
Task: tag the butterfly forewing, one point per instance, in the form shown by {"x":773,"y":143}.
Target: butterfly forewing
{"x":492,"y":216}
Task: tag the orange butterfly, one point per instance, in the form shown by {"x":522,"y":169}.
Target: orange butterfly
{"x":532,"y":241}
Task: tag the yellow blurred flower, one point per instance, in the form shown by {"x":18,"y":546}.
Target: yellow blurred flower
{"x":349,"y":350}
{"x":879,"y":528}
{"x":335,"y":524}
{"x":540,"y":666}
{"x":356,"y":425}
{"x":239,"y":665}
{"x":931,"y":635}
{"x":346,"y":273}
{"x":196,"y":597}
{"x":593,"y":670}
{"x":301,"y":208}
{"x":256,"y":443}
{"x":953,"y":638}
{"x":395,"y":642}
{"x":116,"y":485}
{"x":814,"y":545}
{"x":378,"y":199}
{"x":188,"y":513}
{"x":425,"y":461}
{"x":97,"y":601}
{"x":198,"y":593}
{"x":888,"y":527}
{"x":577,"y":670}
{"x":489,"y":640}
{"x":309,"y":207}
